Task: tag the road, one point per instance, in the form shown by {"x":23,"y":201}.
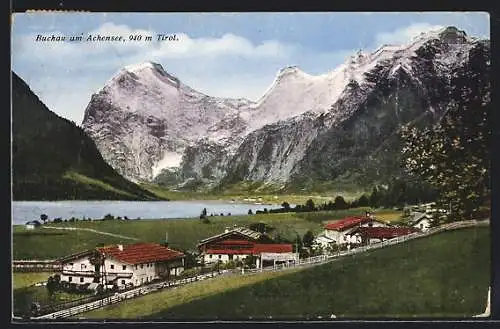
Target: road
{"x":90,"y":230}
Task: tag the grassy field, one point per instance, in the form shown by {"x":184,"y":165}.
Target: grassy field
{"x":51,"y":243}
{"x":445,"y":275}
{"x":183,"y":234}
{"x":21,"y":280}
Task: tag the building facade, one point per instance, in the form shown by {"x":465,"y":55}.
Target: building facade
{"x":240,"y":243}
{"x":123,"y":265}
{"x":341,"y":232}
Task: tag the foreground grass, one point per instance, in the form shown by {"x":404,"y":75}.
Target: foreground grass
{"x":159,"y":301}
{"x":21,"y":280}
{"x":183,"y":234}
{"x":445,"y":275}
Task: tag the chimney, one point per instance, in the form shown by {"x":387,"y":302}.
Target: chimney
{"x":120,"y":247}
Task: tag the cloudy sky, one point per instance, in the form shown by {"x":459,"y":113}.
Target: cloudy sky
{"x":225,"y":54}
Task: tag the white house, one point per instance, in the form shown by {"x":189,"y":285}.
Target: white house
{"x":339,"y":232}
{"x":419,"y":220}
{"x":31,"y":225}
{"x":123,"y":265}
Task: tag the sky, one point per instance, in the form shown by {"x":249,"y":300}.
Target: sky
{"x":219,"y":54}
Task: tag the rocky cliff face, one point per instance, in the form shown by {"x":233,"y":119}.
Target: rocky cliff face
{"x":143,"y":119}
{"x":340,"y":127}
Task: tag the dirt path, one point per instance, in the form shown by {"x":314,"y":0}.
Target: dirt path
{"x":90,"y":230}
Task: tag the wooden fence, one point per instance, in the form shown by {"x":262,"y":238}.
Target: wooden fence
{"x":118,"y":297}
{"x":51,"y":265}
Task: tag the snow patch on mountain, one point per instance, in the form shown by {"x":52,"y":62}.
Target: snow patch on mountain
{"x":169,"y":160}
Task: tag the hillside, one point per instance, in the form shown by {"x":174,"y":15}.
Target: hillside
{"x":441,"y":276}
{"x":53,"y":159}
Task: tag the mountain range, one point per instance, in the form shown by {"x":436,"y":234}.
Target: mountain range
{"x":307,"y":132}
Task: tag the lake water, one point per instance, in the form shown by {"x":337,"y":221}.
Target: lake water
{"x":24,"y":211}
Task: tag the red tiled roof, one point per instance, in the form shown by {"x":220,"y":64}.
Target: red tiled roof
{"x":346,"y":223}
{"x":276,"y":248}
{"x":256,"y":249}
{"x":140,"y":253}
{"x":385,"y":232}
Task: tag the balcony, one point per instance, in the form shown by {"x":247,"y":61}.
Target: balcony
{"x":92,"y":273}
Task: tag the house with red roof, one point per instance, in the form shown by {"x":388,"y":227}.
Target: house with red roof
{"x":123,"y":265}
{"x":240,"y":243}
{"x":339,"y":232}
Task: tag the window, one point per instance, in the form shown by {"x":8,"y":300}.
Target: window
{"x":70,"y":278}
{"x":147,"y":265}
{"x":70,"y":264}
{"x":123,"y":281}
{"x":230,"y":257}
{"x":136,"y":268}
{"x":142,"y":280}
{"x":142,"y":265}
{"x":210,"y":256}
{"x":112,"y":266}
{"x":220,"y":256}
{"x":124,"y":267}
{"x":83,"y":266}
{"x":81,"y":279}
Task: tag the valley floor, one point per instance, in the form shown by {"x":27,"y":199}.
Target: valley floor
{"x":184,"y":234}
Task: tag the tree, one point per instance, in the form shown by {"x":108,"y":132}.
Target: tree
{"x":363,"y":201}
{"x":97,"y":260}
{"x":51,"y":286}
{"x":454,"y":156}
{"x":297,"y":244}
{"x":308,"y":239}
{"x":310,"y":206}
{"x":43,"y":218}
{"x":340,"y":203}
{"x":286,"y":206}
{"x":375,"y":198}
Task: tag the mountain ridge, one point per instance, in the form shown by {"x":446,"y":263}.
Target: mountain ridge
{"x":268,"y":140}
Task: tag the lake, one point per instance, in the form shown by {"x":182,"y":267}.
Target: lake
{"x":24,"y":211}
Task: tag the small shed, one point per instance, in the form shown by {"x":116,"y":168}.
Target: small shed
{"x":31,"y":225}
